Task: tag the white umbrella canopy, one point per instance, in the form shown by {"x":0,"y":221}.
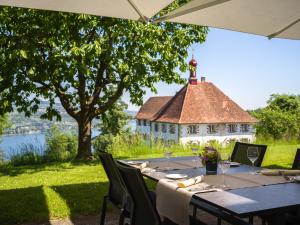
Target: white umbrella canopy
{"x":271,"y":18}
{"x":125,"y":9}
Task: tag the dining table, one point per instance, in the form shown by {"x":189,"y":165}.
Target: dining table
{"x":246,"y":195}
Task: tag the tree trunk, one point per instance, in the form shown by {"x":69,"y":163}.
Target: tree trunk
{"x":84,"y":140}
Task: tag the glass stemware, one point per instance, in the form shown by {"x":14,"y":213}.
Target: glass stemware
{"x":224,"y":165}
{"x":195,"y":152}
{"x":168,"y":153}
{"x":252,"y":154}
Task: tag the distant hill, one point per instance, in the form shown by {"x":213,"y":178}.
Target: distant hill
{"x":34,"y":124}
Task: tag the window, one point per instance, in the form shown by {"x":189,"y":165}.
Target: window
{"x":145,"y":122}
{"x":172,"y":129}
{"x":245,"y":128}
{"x":232,"y":128}
{"x":211,"y":129}
{"x":192,"y":129}
{"x":164,"y":128}
{"x":156,"y":127}
{"x":139,"y":122}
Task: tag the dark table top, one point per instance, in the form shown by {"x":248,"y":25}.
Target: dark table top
{"x":255,"y":200}
{"x":186,"y":165}
{"x":240,"y":202}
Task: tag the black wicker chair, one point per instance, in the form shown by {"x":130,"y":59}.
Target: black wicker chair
{"x":239,"y":153}
{"x":296,"y":164}
{"x":117,"y":193}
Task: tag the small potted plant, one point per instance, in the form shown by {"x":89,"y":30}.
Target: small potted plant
{"x":210,"y":158}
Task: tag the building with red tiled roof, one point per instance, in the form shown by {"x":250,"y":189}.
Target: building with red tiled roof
{"x":199,"y":112}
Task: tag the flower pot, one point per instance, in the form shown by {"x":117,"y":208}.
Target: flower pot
{"x":211,"y":168}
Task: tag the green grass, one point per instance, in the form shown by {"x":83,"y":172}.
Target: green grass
{"x":61,"y":190}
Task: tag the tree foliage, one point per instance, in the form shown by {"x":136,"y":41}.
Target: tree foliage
{"x":4,"y":123}
{"x":87,"y":62}
{"x":115,"y":120}
{"x":281,"y":117}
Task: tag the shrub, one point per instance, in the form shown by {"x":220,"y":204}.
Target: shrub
{"x":2,"y":156}
{"x":60,"y":146}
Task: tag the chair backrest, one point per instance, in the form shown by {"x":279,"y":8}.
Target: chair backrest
{"x":239,"y":153}
{"x":143,"y":211}
{"x":117,"y":190}
{"x":296,"y":164}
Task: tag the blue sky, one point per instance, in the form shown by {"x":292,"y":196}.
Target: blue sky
{"x":248,"y":68}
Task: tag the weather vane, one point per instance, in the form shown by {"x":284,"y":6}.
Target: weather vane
{"x":193,"y":52}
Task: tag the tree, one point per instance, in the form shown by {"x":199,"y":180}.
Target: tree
{"x":86,"y":62}
{"x":115,"y":119}
{"x":112,"y":123}
{"x":281,"y":118}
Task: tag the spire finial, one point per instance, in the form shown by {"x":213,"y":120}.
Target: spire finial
{"x":193,"y":68}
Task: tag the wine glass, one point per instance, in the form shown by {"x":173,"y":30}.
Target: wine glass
{"x":224,"y":165}
{"x":252,"y":154}
{"x":168,"y":153}
{"x":195,"y":152}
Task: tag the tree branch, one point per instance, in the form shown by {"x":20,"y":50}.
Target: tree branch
{"x":102,"y":108}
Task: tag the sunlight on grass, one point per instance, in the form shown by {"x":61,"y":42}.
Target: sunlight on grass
{"x":58,"y":207}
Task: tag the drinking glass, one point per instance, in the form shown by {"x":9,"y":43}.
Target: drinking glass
{"x":224,"y":165}
{"x":195,"y":152}
{"x":168,"y":153}
{"x":252,"y":154}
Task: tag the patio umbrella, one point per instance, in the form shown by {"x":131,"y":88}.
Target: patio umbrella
{"x":271,"y":18}
{"x":125,"y":9}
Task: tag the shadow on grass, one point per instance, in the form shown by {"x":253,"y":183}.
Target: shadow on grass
{"x":83,"y":199}
{"x":9,"y":170}
{"x":18,"y":206}
{"x":23,"y":205}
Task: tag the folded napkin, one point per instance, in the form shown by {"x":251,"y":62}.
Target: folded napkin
{"x":271,"y":172}
{"x":190,"y":182}
{"x":279,"y":172}
{"x":142,"y":165}
{"x":291,"y":172}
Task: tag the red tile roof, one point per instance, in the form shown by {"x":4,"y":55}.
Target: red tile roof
{"x":201,"y":103}
{"x":152,"y":107}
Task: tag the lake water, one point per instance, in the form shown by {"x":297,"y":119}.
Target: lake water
{"x":10,"y":144}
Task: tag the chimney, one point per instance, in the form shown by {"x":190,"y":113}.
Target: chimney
{"x":202,"y":79}
{"x":193,"y":69}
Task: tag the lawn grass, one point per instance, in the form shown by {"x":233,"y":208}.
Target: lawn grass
{"x":61,"y":190}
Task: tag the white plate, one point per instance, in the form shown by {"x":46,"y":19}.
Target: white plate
{"x":297,"y":179}
{"x":234,"y":164}
{"x":176,"y":176}
{"x":134,"y":162}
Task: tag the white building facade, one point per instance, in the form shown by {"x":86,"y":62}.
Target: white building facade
{"x":196,"y":133}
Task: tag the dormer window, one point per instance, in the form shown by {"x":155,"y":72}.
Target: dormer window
{"x":211,"y":129}
{"x":232,"y":128}
{"x":245,"y":128}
